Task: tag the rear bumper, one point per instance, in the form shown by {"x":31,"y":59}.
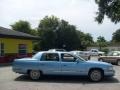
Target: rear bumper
{"x":19,"y":70}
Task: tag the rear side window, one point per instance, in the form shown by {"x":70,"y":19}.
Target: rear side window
{"x":50,"y":57}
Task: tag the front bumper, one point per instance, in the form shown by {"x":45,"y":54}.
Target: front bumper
{"x":109,"y":73}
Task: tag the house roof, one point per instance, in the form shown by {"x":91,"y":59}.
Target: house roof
{"x":8,"y":33}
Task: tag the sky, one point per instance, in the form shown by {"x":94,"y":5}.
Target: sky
{"x":80,"y":13}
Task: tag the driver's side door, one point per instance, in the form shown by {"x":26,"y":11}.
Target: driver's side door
{"x":69,"y":65}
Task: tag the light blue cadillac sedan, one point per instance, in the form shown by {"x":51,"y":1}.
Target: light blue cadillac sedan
{"x":61,"y":63}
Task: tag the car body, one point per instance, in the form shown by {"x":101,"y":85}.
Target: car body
{"x":61,"y":63}
{"x":112,"y":57}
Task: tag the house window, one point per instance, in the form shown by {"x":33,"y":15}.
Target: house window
{"x":22,"y":49}
{"x":1,"y":49}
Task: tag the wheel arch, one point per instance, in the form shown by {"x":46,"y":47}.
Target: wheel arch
{"x":28,"y":71}
{"x":96,"y":68}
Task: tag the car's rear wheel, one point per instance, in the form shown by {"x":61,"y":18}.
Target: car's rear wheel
{"x":100,"y":55}
{"x":118,"y":62}
{"x":95,"y":75}
{"x":35,"y":74}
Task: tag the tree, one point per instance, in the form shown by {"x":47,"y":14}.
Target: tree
{"x":101,"y":42}
{"x":110,"y":8}
{"x":67,"y":37}
{"x":46,"y":30}
{"x":34,"y":32}
{"x":87,"y":40}
{"x":56,"y":33}
{"x":116,"y":36}
{"x":23,"y":26}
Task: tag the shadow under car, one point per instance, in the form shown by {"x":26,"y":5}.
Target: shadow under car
{"x":66,"y":79}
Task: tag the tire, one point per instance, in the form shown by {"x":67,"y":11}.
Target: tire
{"x":100,"y":59}
{"x":35,"y":74}
{"x":118,"y":62}
{"x":96,"y":75}
{"x":89,"y":57}
{"x":100,"y":55}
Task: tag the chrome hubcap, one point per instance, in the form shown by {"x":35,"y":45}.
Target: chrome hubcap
{"x":35,"y":74}
{"x":96,"y":75}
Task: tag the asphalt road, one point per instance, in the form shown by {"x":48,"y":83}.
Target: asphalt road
{"x":12,"y":81}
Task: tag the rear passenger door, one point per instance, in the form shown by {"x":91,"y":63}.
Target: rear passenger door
{"x":50,"y":63}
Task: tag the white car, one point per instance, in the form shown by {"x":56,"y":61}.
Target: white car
{"x":95,"y":52}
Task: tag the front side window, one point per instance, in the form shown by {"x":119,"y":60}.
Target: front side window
{"x":1,"y":49}
{"x":68,"y":57}
{"x":50,"y":57}
{"x":22,"y":49}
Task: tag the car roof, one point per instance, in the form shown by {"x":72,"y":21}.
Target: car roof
{"x":76,"y":51}
{"x":53,"y":52}
{"x":57,"y":50}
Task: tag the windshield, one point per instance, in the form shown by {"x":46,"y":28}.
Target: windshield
{"x":80,"y":58}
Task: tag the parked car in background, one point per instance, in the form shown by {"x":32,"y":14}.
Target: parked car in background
{"x":61,"y":63}
{"x":82,"y":54}
{"x":112,"y":57}
{"x":87,"y":54}
{"x":94,"y":52}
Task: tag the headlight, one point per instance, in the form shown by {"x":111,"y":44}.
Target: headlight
{"x":110,"y":68}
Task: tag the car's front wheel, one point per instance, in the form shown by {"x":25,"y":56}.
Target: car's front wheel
{"x":118,"y":62}
{"x":95,"y":75}
{"x":35,"y":74}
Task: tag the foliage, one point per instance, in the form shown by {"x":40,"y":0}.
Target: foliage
{"x":56,"y":33}
{"x":24,"y":26}
{"x":110,"y":8}
{"x":87,"y":40}
{"x":46,"y":31}
{"x":116,"y":36}
{"x":67,"y":36}
{"x":101,"y":42}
